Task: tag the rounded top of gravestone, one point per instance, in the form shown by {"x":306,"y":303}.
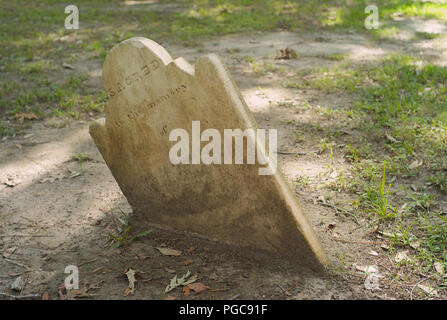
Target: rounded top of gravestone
{"x":135,"y":61}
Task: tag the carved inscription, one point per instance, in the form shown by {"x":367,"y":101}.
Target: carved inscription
{"x":145,"y":104}
{"x":132,"y":78}
{"x":151,"y":104}
{"x":148,"y":105}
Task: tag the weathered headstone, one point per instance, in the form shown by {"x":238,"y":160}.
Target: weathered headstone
{"x":150,"y":95}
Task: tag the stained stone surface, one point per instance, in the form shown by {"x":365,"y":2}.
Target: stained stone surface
{"x":151,"y":94}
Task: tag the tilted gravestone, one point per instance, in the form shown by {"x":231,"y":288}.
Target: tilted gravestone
{"x":151,"y":96}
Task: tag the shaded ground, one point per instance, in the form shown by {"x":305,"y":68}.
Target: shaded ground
{"x":55,"y":211}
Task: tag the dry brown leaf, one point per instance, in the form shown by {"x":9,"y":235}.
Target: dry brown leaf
{"x":169,"y":252}
{"x":286,"y":54}
{"x":131,"y":278}
{"x":359,"y":267}
{"x":186,"y":290}
{"x":14,"y":274}
{"x":46,"y":296}
{"x":127,"y":292}
{"x":21,"y":116}
{"x":65,"y":294}
{"x":187,"y":263}
{"x":198,"y":287}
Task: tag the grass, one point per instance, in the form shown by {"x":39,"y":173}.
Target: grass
{"x":403,"y":103}
{"x":376,"y":197}
{"x":34,"y":44}
{"x":80,"y":158}
{"x":124,"y":236}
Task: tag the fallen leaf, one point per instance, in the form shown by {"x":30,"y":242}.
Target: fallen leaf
{"x":439,"y":268}
{"x":371,"y":269}
{"x":402,"y":256}
{"x":131,"y":278}
{"x":373,"y":253}
{"x":171,"y":298}
{"x":72,"y":294}
{"x":128,"y":291}
{"x":21,"y":116}
{"x":415,"y":164}
{"x":46,"y":296}
{"x":359,"y":267}
{"x":75,"y":174}
{"x":169,"y":252}
{"x":186,"y":290}
{"x":13,"y":274}
{"x":415,"y":244}
{"x":78,"y":293}
{"x":187,"y":263}
{"x":391,"y":138}
{"x":9,"y":252}
{"x":286,"y":54}
{"x":177,"y":282}
{"x":198,"y":287}
{"x":428,"y":290}
{"x":19,"y":146}
{"x":167,"y":269}
{"x":67,"y":66}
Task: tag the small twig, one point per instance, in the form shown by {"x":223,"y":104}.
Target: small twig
{"x":17,"y":263}
{"x":285,"y":153}
{"x":340,"y":210}
{"x":286,"y":292}
{"x":301,"y":153}
{"x":85,"y":262}
{"x":219,"y":289}
{"x":235,"y":296}
{"x":358,"y":242}
{"x":19,"y":297}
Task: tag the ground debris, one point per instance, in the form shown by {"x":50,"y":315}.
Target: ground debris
{"x":285,"y":54}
